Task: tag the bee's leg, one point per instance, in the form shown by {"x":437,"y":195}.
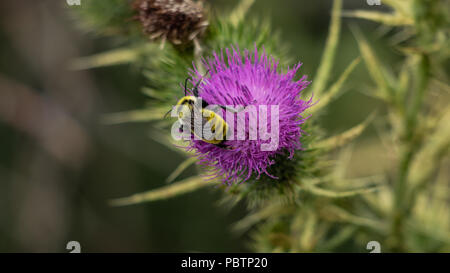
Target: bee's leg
{"x":231,"y":109}
{"x":204,"y":104}
{"x":223,"y":145}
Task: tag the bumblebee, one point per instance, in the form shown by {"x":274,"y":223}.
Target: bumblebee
{"x":218,"y":126}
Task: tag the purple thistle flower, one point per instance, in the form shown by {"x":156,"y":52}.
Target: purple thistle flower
{"x":251,"y":79}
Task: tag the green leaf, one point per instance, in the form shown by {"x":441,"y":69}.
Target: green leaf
{"x":260,"y":215}
{"x":343,"y":215}
{"x":187,"y":185}
{"x":238,"y":14}
{"x":380,"y":17}
{"x":347,"y":136}
{"x":152,"y":93}
{"x":143,"y":115}
{"x":403,"y":80}
{"x":401,"y":6}
{"x":335,"y":88}
{"x":421,"y":77}
{"x":427,"y":159}
{"x":376,"y":70}
{"x":183,"y":166}
{"x":326,"y":63}
{"x":346,"y":233}
{"x":341,"y":194}
{"x":167,"y":140}
{"x":114,"y":57}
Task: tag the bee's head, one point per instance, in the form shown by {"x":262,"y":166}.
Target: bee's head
{"x":189,"y":101}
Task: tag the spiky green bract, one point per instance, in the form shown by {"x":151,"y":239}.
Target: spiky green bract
{"x":166,"y":76}
{"x":223,"y":34}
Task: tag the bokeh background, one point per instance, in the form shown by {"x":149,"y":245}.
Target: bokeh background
{"x":59,"y":165}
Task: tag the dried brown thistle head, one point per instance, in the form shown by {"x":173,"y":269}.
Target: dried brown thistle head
{"x":178,"y":21}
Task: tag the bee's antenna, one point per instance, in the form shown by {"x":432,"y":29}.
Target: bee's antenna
{"x":185,"y":85}
{"x":167,"y":113}
{"x":195,"y":89}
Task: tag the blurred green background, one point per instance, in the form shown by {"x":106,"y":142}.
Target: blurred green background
{"x":59,"y":165}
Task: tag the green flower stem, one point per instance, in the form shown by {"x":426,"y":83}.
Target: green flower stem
{"x":400,"y":209}
{"x":422,"y":82}
{"x":409,"y":148}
